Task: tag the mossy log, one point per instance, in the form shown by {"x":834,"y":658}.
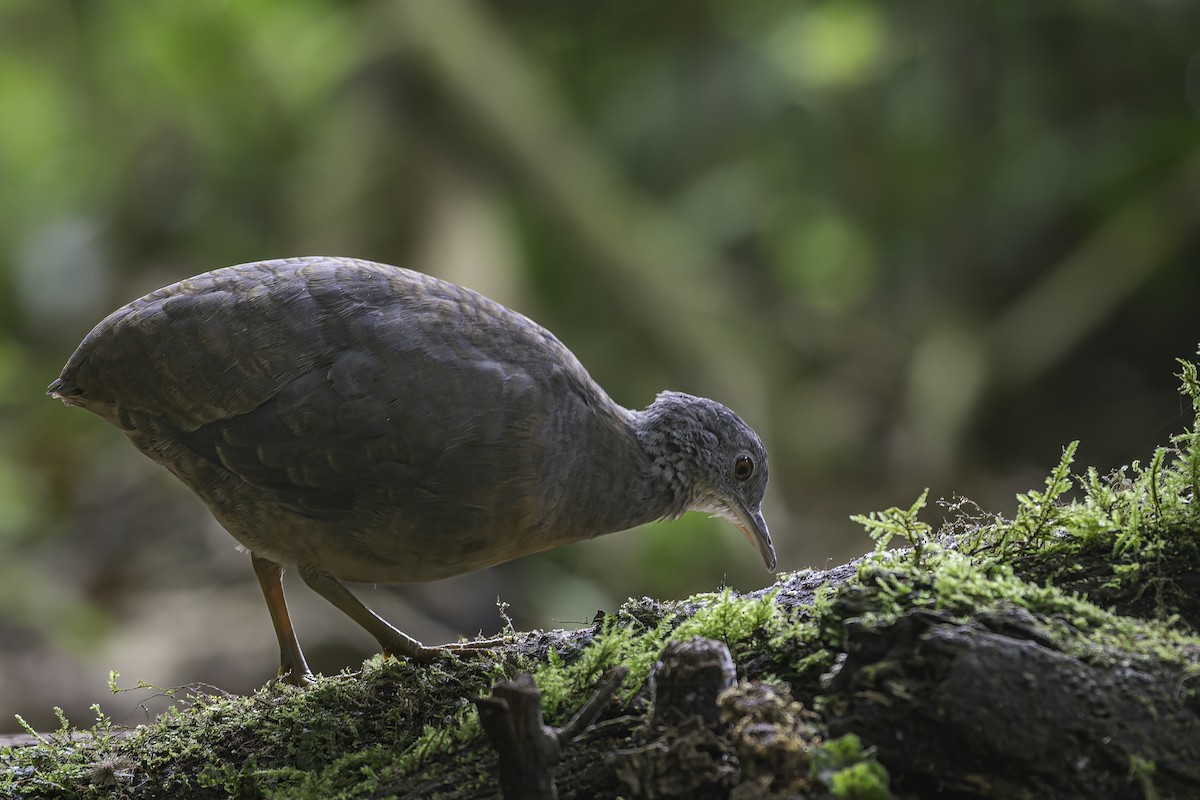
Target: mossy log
{"x":1010,"y":699}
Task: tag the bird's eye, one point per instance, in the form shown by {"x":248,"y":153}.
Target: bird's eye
{"x":743,"y":468}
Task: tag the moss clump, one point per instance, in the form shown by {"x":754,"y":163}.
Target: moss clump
{"x":1072,"y":549}
{"x":849,"y":771}
{"x":624,"y":639}
{"x":335,"y":738}
{"x":964,"y":582}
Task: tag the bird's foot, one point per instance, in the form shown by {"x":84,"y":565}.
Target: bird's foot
{"x":473,"y":647}
{"x":423,"y":654}
{"x":296,"y":677}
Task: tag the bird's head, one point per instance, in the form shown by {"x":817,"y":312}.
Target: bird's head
{"x":710,"y":461}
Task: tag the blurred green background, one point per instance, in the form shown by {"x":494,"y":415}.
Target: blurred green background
{"x":919,"y":243}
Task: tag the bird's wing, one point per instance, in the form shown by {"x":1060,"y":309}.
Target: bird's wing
{"x":334,"y":383}
{"x":361,"y":431}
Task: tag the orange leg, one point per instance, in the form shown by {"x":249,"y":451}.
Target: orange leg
{"x":392,"y":640}
{"x":292,"y":666}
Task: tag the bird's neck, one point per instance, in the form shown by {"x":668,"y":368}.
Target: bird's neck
{"x":668,"y":491}
{"x":614,"y":482}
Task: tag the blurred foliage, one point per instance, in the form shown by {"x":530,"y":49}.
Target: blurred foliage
{"x":918,"y":243}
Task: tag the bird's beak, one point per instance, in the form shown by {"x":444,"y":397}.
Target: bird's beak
{"x":754,"y":528}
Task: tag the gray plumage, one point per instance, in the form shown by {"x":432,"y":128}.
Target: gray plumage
{"x":369,"y":423}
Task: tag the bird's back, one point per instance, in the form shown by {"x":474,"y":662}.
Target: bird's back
{"x":382,"y":423}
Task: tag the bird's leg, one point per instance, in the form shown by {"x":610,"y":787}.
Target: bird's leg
{"x":392,"y":640}
{"x":292,"y":666}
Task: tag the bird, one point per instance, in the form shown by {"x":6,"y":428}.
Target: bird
{"x":361,"y":422}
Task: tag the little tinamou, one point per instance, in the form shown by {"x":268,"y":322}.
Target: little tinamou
{"x":363,"y":422}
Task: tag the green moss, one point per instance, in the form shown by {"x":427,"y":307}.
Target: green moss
{"x":1074,"y":548}
{"x":848,"y":770}
{"x":627,"y":640}
{"x":867,"y":780}
{"x":336,"y":738}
